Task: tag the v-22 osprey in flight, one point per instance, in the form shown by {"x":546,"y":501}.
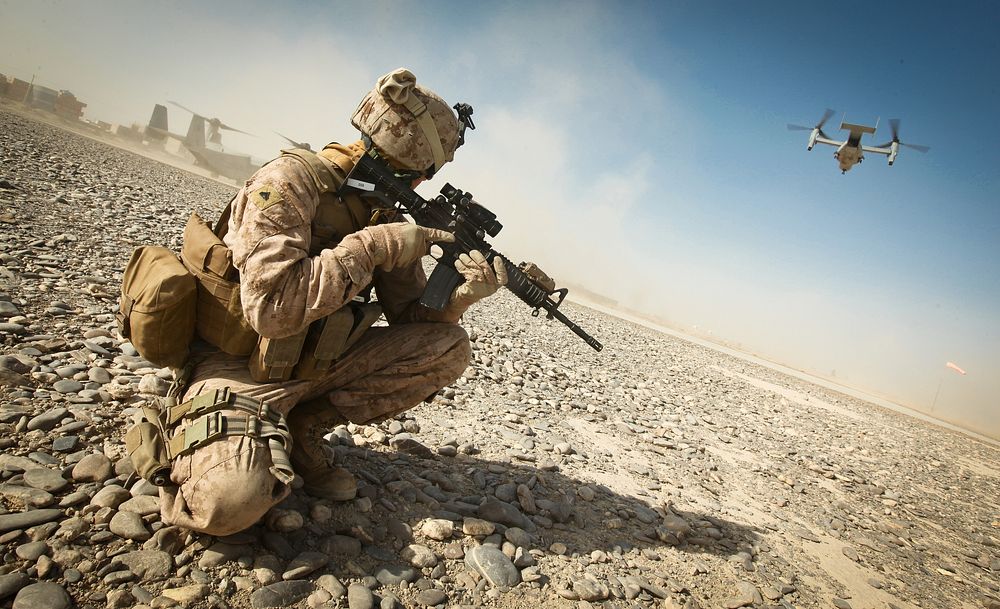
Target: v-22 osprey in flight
{"x":851,"y":151}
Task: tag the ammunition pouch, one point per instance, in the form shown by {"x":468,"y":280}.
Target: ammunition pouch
{"x":220,"y":320}
{"x":310,"y":353}
{"x":165,"y":434}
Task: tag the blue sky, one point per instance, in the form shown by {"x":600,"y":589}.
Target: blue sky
{"x":648,"y":142}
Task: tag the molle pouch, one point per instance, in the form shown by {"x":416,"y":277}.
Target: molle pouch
{"x":157,"y":308}
{"x":148,"y":454}
{"x":330,"y":337}
{"x":220,"y":314}
{"x":274,"y":359}
{"x":537,"y":276}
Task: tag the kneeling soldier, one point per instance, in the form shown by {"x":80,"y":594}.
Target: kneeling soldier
{"x":287,"y":347}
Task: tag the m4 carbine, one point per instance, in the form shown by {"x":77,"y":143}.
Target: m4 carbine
{"x":456,"y":212}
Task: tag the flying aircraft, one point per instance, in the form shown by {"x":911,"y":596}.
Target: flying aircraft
{"x":204,"y":142}
{"x":851,"y":151}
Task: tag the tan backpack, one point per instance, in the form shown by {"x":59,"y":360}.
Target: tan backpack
{"x":157,"y":308}
{"x":220,"y":313}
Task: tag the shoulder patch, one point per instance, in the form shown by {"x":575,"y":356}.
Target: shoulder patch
{"x":265,"y":196}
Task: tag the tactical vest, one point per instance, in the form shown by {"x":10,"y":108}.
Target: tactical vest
{"x":220,"y":315}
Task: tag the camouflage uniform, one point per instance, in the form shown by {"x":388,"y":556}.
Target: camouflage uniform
{"x":283,"y":289}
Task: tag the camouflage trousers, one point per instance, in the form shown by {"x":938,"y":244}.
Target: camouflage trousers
{"x":389,"y":370}
{"x":228,"y":485}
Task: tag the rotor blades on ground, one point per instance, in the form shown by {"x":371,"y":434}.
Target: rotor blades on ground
{"x":228,"y":128}
{"x":302,"y":145}
{"x":186,"y":109}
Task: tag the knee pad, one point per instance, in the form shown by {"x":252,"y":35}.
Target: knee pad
{"x":226,"y":456}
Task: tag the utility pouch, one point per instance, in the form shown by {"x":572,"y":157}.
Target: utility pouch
{"x":147,"y":452}
{"x":175,"y":430}
{"x":274,"y":359}
{"x":220,"y":319}
{"x":157,"y":308}
{"x":538,"y":276}
{"x":329,"y":337}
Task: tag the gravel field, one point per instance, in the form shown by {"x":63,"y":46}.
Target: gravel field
{"x":657,"y":473}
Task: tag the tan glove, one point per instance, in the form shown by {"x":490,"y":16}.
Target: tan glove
{"x":481,"y":280}
{"x":400,"y":243}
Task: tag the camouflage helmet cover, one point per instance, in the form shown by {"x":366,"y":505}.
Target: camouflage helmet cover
{"x":403,"y":120}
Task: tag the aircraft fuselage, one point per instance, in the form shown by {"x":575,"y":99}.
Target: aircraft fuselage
{"x":848,"y":155}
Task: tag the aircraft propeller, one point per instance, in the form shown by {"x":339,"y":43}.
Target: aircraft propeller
{"x":894,"y":125}
{"x":819,"y":125}
{"x":215,"y":123}
{"x":302,"y":145}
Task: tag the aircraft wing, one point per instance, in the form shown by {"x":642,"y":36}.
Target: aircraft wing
{"x":827,"y":141}
{"x":877,"y":150}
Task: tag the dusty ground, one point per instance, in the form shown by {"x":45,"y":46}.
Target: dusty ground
{"x":657,"y":473}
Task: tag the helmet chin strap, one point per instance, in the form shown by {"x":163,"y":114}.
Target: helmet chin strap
{"x":419,"y":111}
{"x":405,"y":174}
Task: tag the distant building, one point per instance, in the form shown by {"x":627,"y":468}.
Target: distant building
{"x":67,"y":106}
{"x":16,"y":89}
{"x":42,"y":98}
{"x":63,"y":103}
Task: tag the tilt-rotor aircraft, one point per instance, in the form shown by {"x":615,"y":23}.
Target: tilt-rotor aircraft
{"x":204,"y":142}
{"x":851,"y":151}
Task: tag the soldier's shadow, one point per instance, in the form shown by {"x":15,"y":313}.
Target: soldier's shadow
{"x":397,"y":491}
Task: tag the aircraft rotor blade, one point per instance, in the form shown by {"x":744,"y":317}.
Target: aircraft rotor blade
{"x":826,"y":116}
{"x":183,"y":108}
{"x":302,"y":145}
{"x":894,"y":125}
{"x":792,"y":127}
{"x":228,"y":128}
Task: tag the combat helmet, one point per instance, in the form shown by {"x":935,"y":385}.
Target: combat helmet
{"x":409,"y":124}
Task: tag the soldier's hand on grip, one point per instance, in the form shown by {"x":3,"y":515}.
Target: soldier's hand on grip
{"x":401,"y":243}
{"x":481,"y":280}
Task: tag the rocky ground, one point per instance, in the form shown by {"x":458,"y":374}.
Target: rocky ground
{"x":657,"y":473}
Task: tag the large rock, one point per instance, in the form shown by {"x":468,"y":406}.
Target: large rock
{"x":148,"y":564}
{"x":11,"y":583}
{"x":359,"y":597}
{"x":495,"y":510}
{"x":93,"y":468}
{"x":281,"y":594}
{"x":220,"y":553}
{"x":43,"y":595}
{"x":393,"y":575}
{"x":493,"y":565}
{"x":129,"y":525}
{"x":47,"y":420}
{"x":304,"y":564}
{"x":45,"y":479}
{"x":187,"y":595}
{"x":24,"y":520}
{"x":419,"y":556}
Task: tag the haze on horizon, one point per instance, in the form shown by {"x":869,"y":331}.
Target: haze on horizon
{"x":640,"y":151}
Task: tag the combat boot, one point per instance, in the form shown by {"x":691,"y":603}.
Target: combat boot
{"x":309,"y":422}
